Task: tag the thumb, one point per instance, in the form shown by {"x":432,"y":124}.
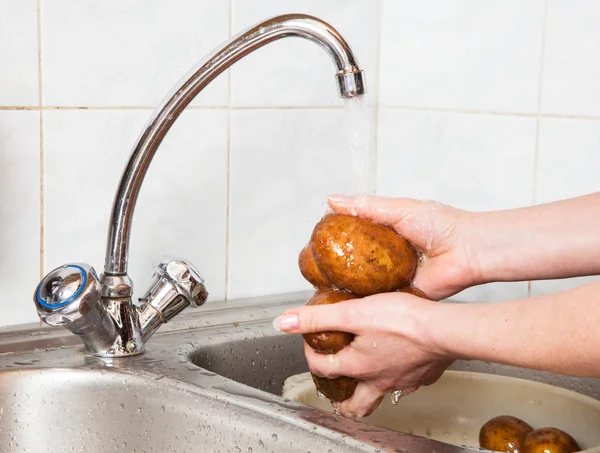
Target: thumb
{"x":381,"y":209}
{"x":318,"y":318}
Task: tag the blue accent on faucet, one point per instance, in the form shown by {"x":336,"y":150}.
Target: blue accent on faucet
{"x":43,"y":303}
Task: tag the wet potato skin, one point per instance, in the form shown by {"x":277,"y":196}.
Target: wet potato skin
{"x":310,"y":271}
{"x":350,"y":257}
{"x":362,"y":256}
{"x":338,"y":389}
{"x":504,"y":434}
{"x":549,"y":440}
{"x":414,"y":291}
{"x":329,"y":342}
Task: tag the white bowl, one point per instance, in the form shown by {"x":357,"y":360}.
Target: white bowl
{"x":454,"y":409}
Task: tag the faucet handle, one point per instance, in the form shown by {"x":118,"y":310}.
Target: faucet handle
{"x":69,"y":296}
{"x":175,"y":285}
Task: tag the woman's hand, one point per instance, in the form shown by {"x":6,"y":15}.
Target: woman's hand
{"x":440,"y":232}
{"x":392,"y":348}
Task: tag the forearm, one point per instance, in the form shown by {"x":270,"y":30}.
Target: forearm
{"x":557,"y":333}
{"x":552,"y":240}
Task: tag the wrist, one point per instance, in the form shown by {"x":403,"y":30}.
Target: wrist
{"x":432,"y":321}
{"x":491,"y":247}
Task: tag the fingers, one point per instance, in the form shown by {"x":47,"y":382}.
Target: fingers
{"x":381,"y":209}
{"x":367,"y":397}
{"x":353,"y":316}
{"x":413,"y":219}
{"x":346,"y":362}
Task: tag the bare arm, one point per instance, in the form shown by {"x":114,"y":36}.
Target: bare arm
{"x":557,"y":332}
{"x":553,"y":240}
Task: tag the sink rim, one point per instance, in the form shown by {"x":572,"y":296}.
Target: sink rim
{"x":167,"y":357}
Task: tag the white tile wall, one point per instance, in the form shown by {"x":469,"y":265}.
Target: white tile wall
{"x":462,"y":54}
{"x":19,"y":214}
{"x":18,"y":53}
{"x":459,"y":159}
{"x":571,"y":64}
{"x":181,"y":208}
{"x":476,"y":103}
{"x":127,"y":53}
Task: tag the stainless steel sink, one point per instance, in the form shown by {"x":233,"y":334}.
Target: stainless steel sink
{"x":52,"y":410}
{"x":209,"y":382}
{"x":262,"y":358}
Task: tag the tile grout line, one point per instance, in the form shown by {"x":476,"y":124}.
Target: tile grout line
{"x":41,"y":137}
{"x":307,"y":107}
{"x":539,"y":116}
{"x":228,"y":187}
{"x":375,"y":131}
{"x":41,"y":134}
{"x":460,"y":111}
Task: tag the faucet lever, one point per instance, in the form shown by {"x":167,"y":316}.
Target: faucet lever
{"x":176,"y":283}
{"x":69,"y":296}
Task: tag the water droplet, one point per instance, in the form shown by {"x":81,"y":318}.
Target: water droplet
{"x":122,"y":406}
{"x":374,"y":344}
{"x":139,"y":410}
{"x":397,"y":394}
{"x":274,"y":436}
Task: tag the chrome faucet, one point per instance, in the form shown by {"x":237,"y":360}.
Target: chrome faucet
{"x":100,"y":310}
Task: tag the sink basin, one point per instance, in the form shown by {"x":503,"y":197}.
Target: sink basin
{"x":455,"y":408}
{"x":466,"y":397}
{"x":54,"y":410}
{"x":51,"y":410}
{"x":55,"y":398}
{"x":211,"y":381}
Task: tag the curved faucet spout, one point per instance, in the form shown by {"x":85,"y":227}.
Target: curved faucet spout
{"x":349,"y":77}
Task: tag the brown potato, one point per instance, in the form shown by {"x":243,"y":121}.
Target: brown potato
{"x":328,"y":342}
{"x":362,"y":256}
{"x":414,"y":291}
{"x":504,"y":433}
{"x":337,"y":390}
{"x":310,"y":271}
{"x":549,"y":440}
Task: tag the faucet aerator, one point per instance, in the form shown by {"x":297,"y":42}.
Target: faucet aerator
{"x":351,"y":84}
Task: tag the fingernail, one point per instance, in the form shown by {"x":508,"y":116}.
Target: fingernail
{"x":286,"y":322}
{"x":340,"y":199}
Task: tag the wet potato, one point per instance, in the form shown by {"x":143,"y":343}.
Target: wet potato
{"x":362,"y":256}
{"x":328,"y":342}
{"x":349,"y":257}
{"x":310,"y":271}
{"x":504,"y":434}
{"x":338,"y":389}
{"x":414,"y":291}
{"x":549,"y":440}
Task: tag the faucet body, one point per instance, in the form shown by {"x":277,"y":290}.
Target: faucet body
{"x":101,"y":310}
